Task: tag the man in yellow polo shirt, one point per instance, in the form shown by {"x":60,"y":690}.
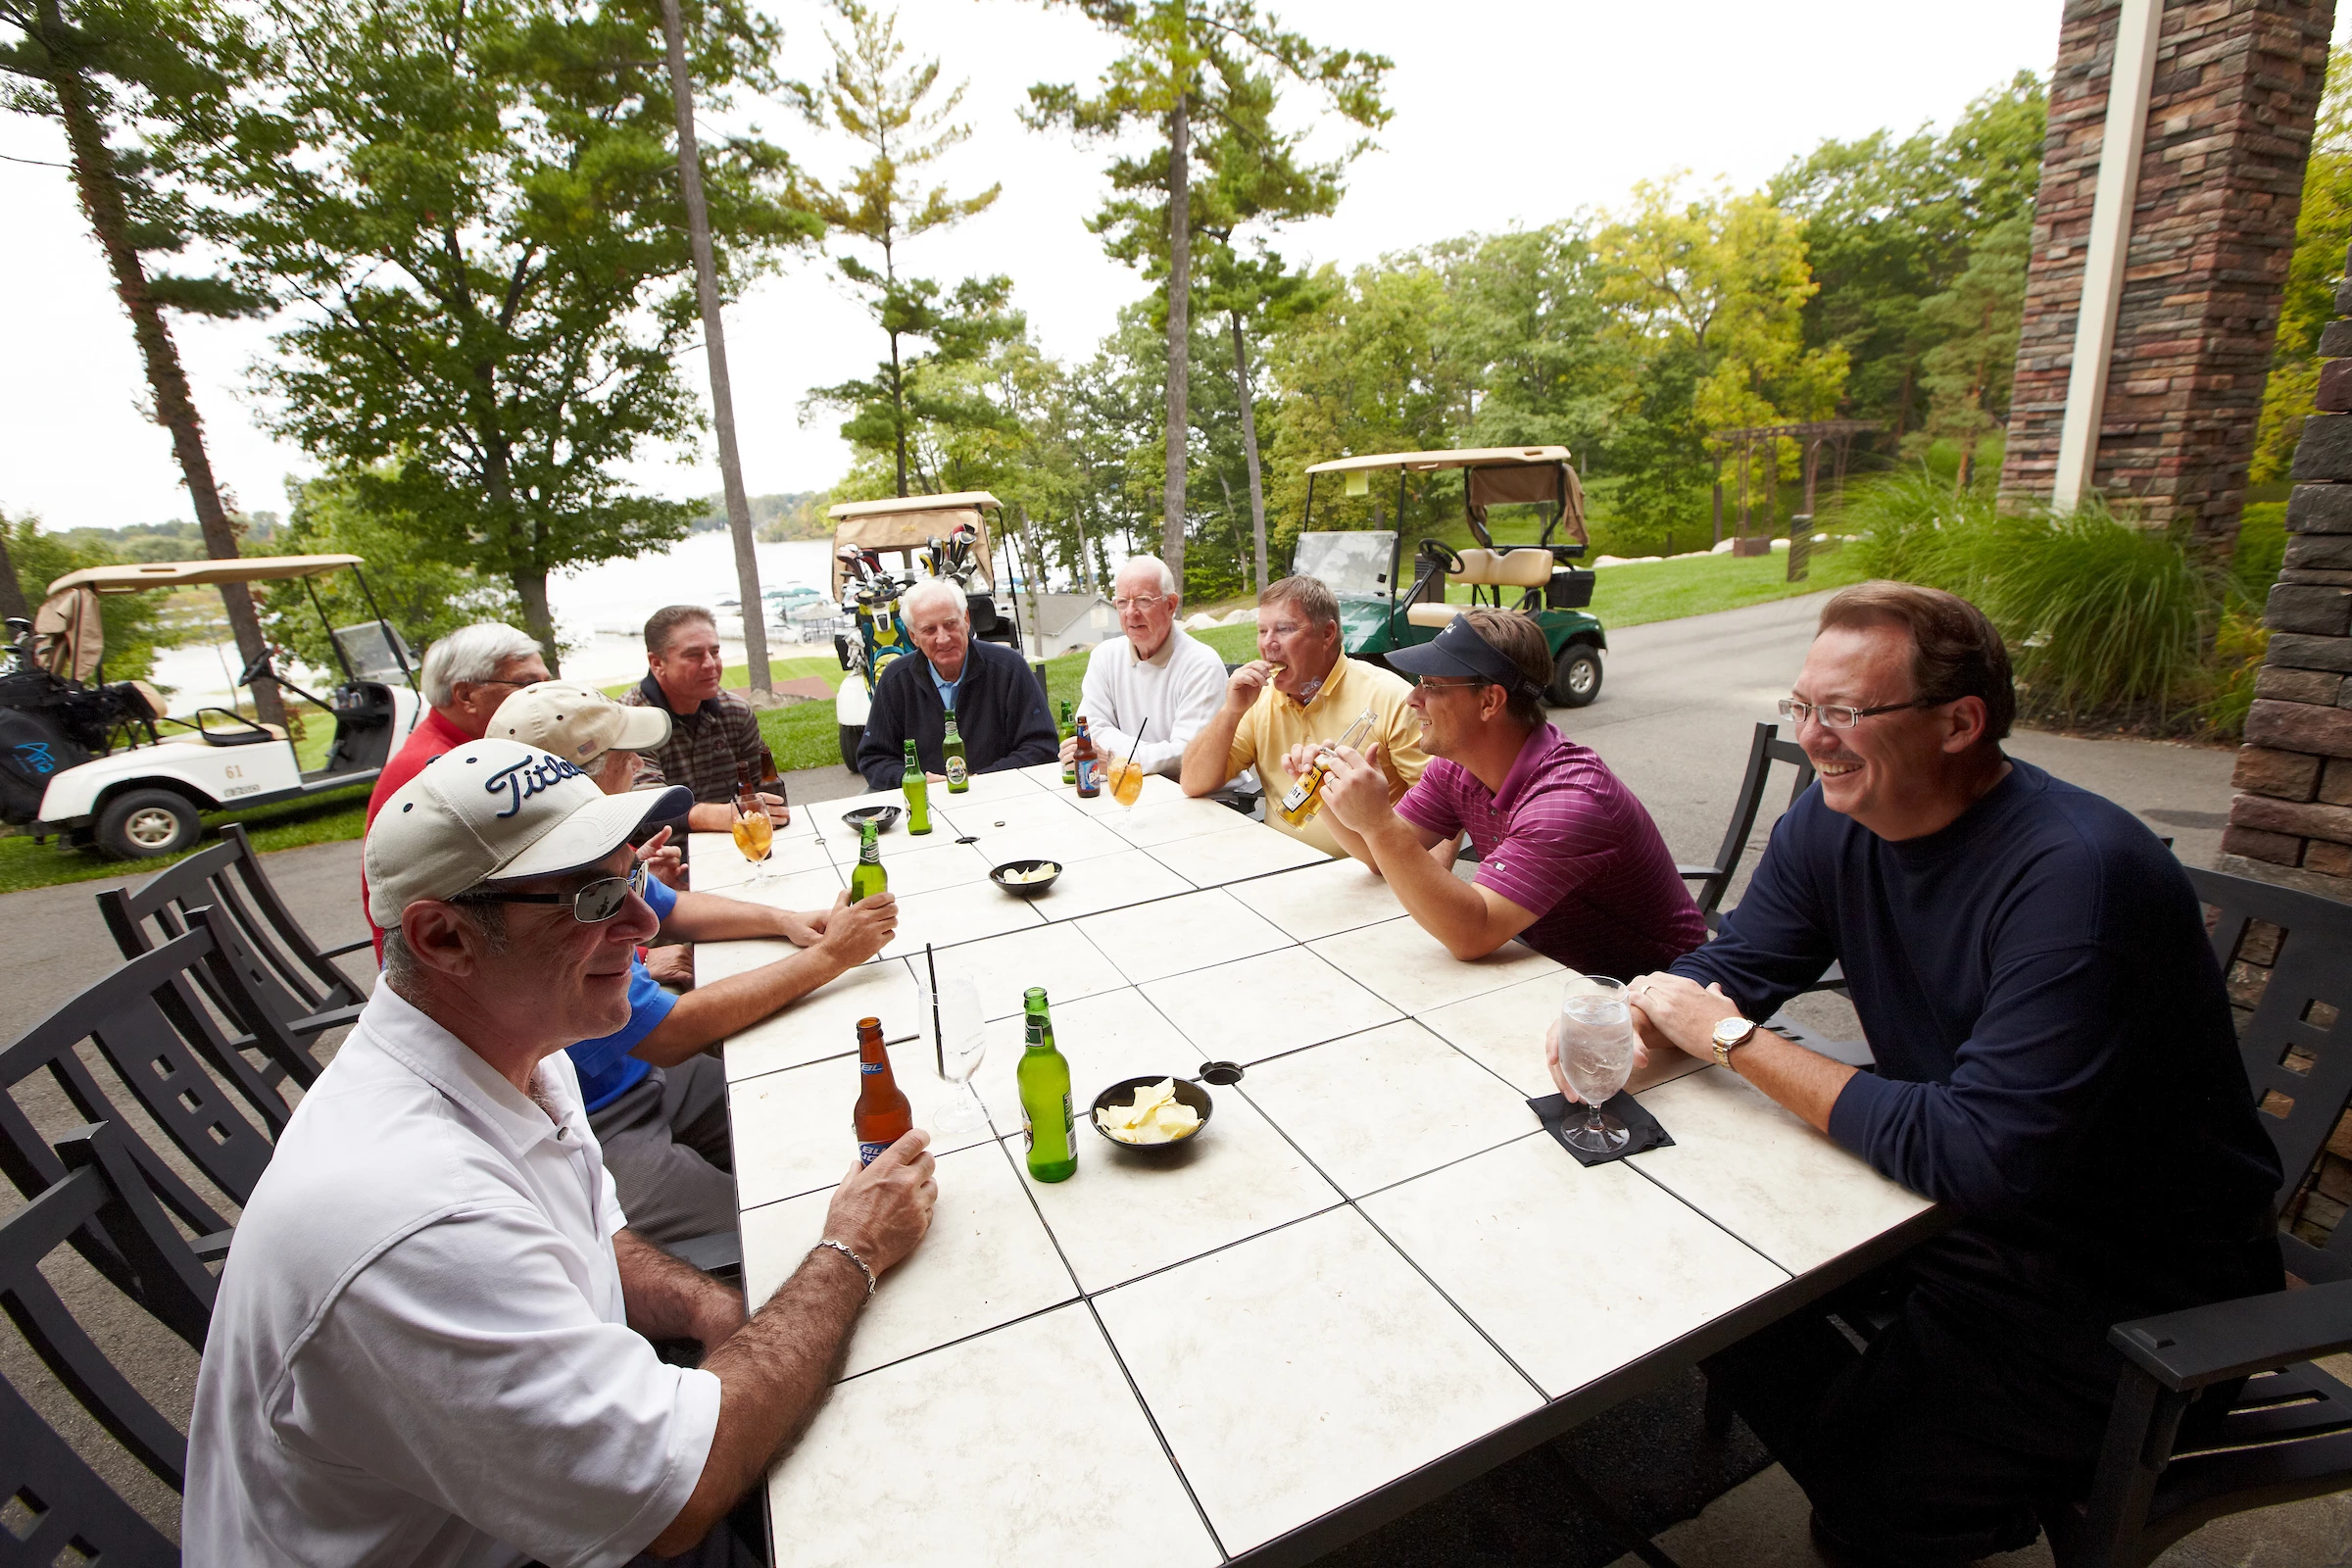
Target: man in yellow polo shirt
{"x":1302,"y":689}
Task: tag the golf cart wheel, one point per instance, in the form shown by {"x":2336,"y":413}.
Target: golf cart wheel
{"x":141,"y":824}
{"x":1575,"y":675}
{"x":851,"y":735}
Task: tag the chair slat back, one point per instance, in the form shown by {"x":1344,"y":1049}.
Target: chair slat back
{"x":247,"y":988}
{"x":2287,"y":955}
{"x":1763,"y":751}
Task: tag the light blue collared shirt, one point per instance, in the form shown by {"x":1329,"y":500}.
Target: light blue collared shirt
{"x":947,"y":688}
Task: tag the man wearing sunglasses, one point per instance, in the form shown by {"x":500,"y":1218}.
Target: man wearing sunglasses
{"x":431,"y":1341}
{"x":1568,"y":859}
{"x":2056,"y":1064}
{"x":655,"y":1098}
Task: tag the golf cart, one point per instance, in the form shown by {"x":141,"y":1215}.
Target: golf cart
{"x":950,"y":534}
{"x":101,"y":764}
{"x":1361,"y":567}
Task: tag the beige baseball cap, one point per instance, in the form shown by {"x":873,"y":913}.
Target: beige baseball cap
{"x":576,"y":723}
{"x":496,"y":811}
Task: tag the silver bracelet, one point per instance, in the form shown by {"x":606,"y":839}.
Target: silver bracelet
{"x":862,"y":1268}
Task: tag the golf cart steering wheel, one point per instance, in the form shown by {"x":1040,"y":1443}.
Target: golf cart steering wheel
{"x":1455,"y":564}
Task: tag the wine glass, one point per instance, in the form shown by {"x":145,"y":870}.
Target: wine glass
{"x":755,"y":837}
{"x":1595,"y":1056}
{"x":962,"y":1042}
{"x":1126,"y":782}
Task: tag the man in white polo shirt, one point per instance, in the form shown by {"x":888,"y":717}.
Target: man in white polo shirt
{"x":1148,"y":694}
{"x":431,"y":1341}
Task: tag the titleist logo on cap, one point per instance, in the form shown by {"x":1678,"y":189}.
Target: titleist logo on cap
{"x":528,"y":777}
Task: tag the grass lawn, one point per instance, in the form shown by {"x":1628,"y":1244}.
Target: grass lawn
{"x":806,"y":734}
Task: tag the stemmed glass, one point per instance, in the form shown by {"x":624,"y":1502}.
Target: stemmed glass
{"x":755,"y":837}
{"x":1596,"y":1056}
{"x":962,"y":1042}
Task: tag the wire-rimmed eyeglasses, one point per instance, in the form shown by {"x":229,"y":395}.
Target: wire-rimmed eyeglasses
{"x":1143,"y":602}
{"x":1833,"y":715}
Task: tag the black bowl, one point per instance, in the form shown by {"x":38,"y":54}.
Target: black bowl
{"x":884,"y":818}
{"x":1186,"y":1093}
{"x":1025,"y":889}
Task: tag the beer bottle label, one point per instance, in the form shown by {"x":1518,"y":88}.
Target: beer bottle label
{"x":1085,"y":776}
{"x":957,"y":772}
{"x":1299,"y":791}
{"x":868,"y":1151}
{"x":869,"y":1069}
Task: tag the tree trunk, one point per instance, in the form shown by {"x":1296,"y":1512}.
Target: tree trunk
{"x":94,"y":179}
{"x":898,"y":409}
{"x":1179,"y":332}
{"x":1257,"y":491}
{"x":530,"y":586}
{"x":12,"y":592}
{"x":714,"y":352}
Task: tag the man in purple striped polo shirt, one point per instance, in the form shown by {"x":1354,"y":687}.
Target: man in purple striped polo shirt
{"x":1568,"y":859}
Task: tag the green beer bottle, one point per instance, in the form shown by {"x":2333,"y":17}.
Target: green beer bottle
{"x":918,"y":793}
{"x":1044,"y":1080}
{"x":1061,"y":732}
{"x":868,"y":878}
{"x":960,"y":776}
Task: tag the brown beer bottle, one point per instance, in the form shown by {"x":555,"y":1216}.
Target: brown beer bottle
{"x":882,"y":1116}
{"x":1087,"y":762}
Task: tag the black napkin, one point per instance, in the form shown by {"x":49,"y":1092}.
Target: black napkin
{"x":1641,"y":1129}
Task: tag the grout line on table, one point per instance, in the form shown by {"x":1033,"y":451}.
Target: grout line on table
{"x":1167,"y":1452}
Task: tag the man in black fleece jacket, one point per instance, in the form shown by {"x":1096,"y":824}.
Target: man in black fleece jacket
{"x":2056,"y":1064}
{"x":1000,"y":707}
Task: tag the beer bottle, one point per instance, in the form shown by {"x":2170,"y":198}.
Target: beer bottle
{"x":1089,"y":768}
{"x":882,"y":1116}
{"x":959,"y":778}
{"x":771,"y":782}
{"x":1305,"y":797}
{"x":918,"y":793}
{"x":868,"y":878}
{"x":1043,"y":1075}
{"x":1061,"y":732}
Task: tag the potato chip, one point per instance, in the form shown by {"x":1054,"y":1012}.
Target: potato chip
{"x":1153,"y":1117}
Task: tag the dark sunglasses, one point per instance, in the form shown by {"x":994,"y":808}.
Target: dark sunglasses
{"x":599,"y":900}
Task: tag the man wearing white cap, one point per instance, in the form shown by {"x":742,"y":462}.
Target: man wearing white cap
{"x":656,"y":1101}
{"x":431,"y":1344}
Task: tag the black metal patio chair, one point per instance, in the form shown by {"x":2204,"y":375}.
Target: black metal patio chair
{"x":2288,"y":1435}
{"x":1713,"y":879}
{"x":301,"y":992}
{"x":158,"y":1042}
{"x":58,"y":1508}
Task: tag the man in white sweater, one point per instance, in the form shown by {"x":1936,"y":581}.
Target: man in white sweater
{"x":1157,"y":681}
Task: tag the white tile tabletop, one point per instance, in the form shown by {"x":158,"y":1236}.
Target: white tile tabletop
{"x":1304,"y":1368}
{"x":1034,"y":809}
{"x":985,"y":1262}
{"x":1172,"y":817}
{"x":1126,"y":1212}
{"x":1058,"y":957}
{"x":965,"y":913}
{"x":1765,"y":1176}
{"x":825,"y":1023}
{"x":1008,"y":784}
{"x":1574,"y":1271}
{"x":715,"y":866}
{"x":1021,"y":1445}
{"x":1197,"y":931}
{"x":1069,"y":839}
{"x":1506,"y":1029}
{"x":793,"y":890}
{"x":1399,"y":961}
{"x":1158,"y":789}
{"x":824,"y":820}
{"x":920,"y":865}
{"x":1114,"y":881}
{"x":1276,"y":1002}
{"x":1250,"y":850}
{"x":1105,"y":1038}
{"x":792,"y":1128}
{"x":1315,"y":900}
{"x":1392,"y":1102}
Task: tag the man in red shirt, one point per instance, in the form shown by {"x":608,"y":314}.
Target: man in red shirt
{"x":466,"y":675}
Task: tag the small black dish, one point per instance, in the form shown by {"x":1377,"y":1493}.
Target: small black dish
{"x":1025,"y":889}
{"x":1123,"y":1092}
{"x":884,"y":818}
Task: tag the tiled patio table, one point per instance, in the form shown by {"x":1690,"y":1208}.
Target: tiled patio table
{"x":1373,"y":1276}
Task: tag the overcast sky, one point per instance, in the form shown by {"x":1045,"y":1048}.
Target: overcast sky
{"x":1505,"y":113}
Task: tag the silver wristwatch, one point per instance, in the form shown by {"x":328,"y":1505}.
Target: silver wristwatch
{"x":1730,"y":1035}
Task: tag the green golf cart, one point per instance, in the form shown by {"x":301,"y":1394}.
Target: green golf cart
{"x":1378,"y":616}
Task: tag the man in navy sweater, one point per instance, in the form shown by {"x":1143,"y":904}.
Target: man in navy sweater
{"x":2056,"y":1063}
{"x":1000,"y":707}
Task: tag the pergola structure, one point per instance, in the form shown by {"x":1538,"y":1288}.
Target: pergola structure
{"x":1836,"y":436}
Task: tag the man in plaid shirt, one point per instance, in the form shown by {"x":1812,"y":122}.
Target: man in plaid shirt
{"x":714,"y":735}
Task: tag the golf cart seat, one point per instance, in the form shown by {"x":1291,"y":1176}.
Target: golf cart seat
{"x":238,"y":730}
{"x":1438,"y":615}
{"x":1505,"y":569}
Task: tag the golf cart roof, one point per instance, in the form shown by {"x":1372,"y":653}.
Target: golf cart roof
{"x":910,"y":522}
{"x":1426,"y":461}
{"x":191,"y":573}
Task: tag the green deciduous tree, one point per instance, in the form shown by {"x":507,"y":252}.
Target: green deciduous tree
{"x":475,"y":210}
{"x":2323,"y":228}
{"x":870,"y":97}
{"x":1967,"y":373}
{"x":97,"y":67}
{"x":1183,"y":58}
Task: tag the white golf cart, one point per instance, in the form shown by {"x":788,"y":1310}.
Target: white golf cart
{"x":101,"y":764}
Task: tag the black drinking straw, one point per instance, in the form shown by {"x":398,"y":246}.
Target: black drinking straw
{"x":938,"y":1045}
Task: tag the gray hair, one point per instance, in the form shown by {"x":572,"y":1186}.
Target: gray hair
{"x":933,"y":588}
{"x":400,"y":963}
{"x":1167,"y":578}
{"x":472,"y":653}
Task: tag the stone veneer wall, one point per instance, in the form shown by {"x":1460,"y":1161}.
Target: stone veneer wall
{"x":2229,"y":122}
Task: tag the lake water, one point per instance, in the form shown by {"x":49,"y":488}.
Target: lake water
{"x":599,"y":611}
